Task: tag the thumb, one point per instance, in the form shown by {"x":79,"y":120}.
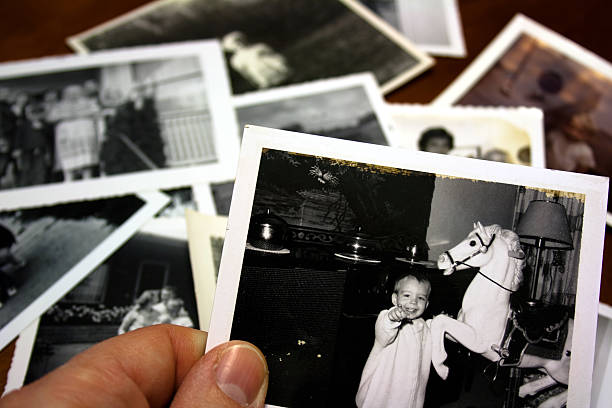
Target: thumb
{"x":231,"y":375}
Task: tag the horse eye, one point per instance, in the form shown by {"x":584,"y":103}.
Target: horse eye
{"x":472,"y":243}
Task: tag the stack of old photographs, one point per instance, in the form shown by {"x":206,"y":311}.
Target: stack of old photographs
{"x":113,"y":147}
{"x":117,"y":147}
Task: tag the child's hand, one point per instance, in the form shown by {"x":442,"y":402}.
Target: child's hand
{"x":397,"y":314}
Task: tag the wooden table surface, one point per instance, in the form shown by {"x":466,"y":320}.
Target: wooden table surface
{"x":34,"y":28}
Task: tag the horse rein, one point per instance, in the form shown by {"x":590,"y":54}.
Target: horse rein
{"x":482,"y":250}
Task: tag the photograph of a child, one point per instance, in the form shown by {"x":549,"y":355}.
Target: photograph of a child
{"x":397,"y":368}
{"x":270,"y":43}
{"x":354,"y":272}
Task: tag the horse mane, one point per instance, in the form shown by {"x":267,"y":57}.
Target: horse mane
{"x":511,"y":239}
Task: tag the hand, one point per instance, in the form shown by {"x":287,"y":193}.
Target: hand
{"x":155,"y":366}
{"x":397,"y":314}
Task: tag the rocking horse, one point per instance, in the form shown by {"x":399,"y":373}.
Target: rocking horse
{"x":481,"y":323}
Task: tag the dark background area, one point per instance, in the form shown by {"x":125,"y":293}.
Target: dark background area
{"x":32,"y":29}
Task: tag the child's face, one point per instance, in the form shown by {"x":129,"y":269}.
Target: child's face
{"x":412,"y":296}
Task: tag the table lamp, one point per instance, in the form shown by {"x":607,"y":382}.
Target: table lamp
{"x":544,"y":225}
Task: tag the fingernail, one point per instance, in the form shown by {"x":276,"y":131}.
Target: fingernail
{"x":241,"y":372}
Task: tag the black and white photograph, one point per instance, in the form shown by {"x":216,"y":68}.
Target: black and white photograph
{"x":206,"y":235}
{"x":135,"y":112}
{"x":432,"y":25}
{"x":46,"y":250}
{"x":530,"y":65}
{"x":509,"y":135}
{"x":147,"y":281}
{"x":377,"y":276}
{"x":269,"y":43}
{"x":348,"y":107}
{"x":221,"y":193}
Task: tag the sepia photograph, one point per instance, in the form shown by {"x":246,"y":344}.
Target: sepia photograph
{"x":504,"y":134}
{"x":432,"y":25}
{"x":133,"y":113}
{"x":270,"y":43}
{"x":206,"y":235}
{"x":356,"y":271}
{"x":529,"y":65}
{"x":47,"y":250}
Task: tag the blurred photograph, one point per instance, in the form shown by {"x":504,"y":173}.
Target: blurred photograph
{"x":134,"y":112}
{"x":269,"y":43}
{"x":529,"y":65}
{"x":432,"y":25}
{"x":46,"y":250}
{"x":348,"y":107}
{"x":504,"y":134}
{"x":146,"y":281}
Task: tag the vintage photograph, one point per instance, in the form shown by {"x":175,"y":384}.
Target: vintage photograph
{"x":356,"y":264}
{"x":529,"y":65}
{"x":348,"y":107}
{"x":221,"y":194}
{"x":147,"y":281}
{"x":46,"y":250}
{"x":269,"y":43}
{"x":432,"y":25}
{"x":206,"y":235}
{"x":509,"y":135}
{"x":140,"y":111}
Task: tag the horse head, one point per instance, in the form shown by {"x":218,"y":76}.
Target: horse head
{"x":481,"y":247}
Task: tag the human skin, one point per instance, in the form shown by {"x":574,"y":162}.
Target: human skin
{"x":158,"y":366}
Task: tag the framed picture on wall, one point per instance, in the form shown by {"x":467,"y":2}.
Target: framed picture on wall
{"x":325,"y":236}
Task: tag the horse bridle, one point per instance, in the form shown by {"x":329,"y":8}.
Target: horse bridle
{"x":481,"y":250}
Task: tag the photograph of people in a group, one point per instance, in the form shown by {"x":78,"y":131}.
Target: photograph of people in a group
{"x":105,"y":120}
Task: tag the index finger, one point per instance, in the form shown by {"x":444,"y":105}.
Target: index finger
{"x":138,"y":369}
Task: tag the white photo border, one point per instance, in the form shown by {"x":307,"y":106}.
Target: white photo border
{"x":595,"y":188}
{"x":24,"y":346}
{"x":456,"y":46}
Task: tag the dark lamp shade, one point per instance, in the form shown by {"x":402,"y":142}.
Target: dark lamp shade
{"x":546,"y":221}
